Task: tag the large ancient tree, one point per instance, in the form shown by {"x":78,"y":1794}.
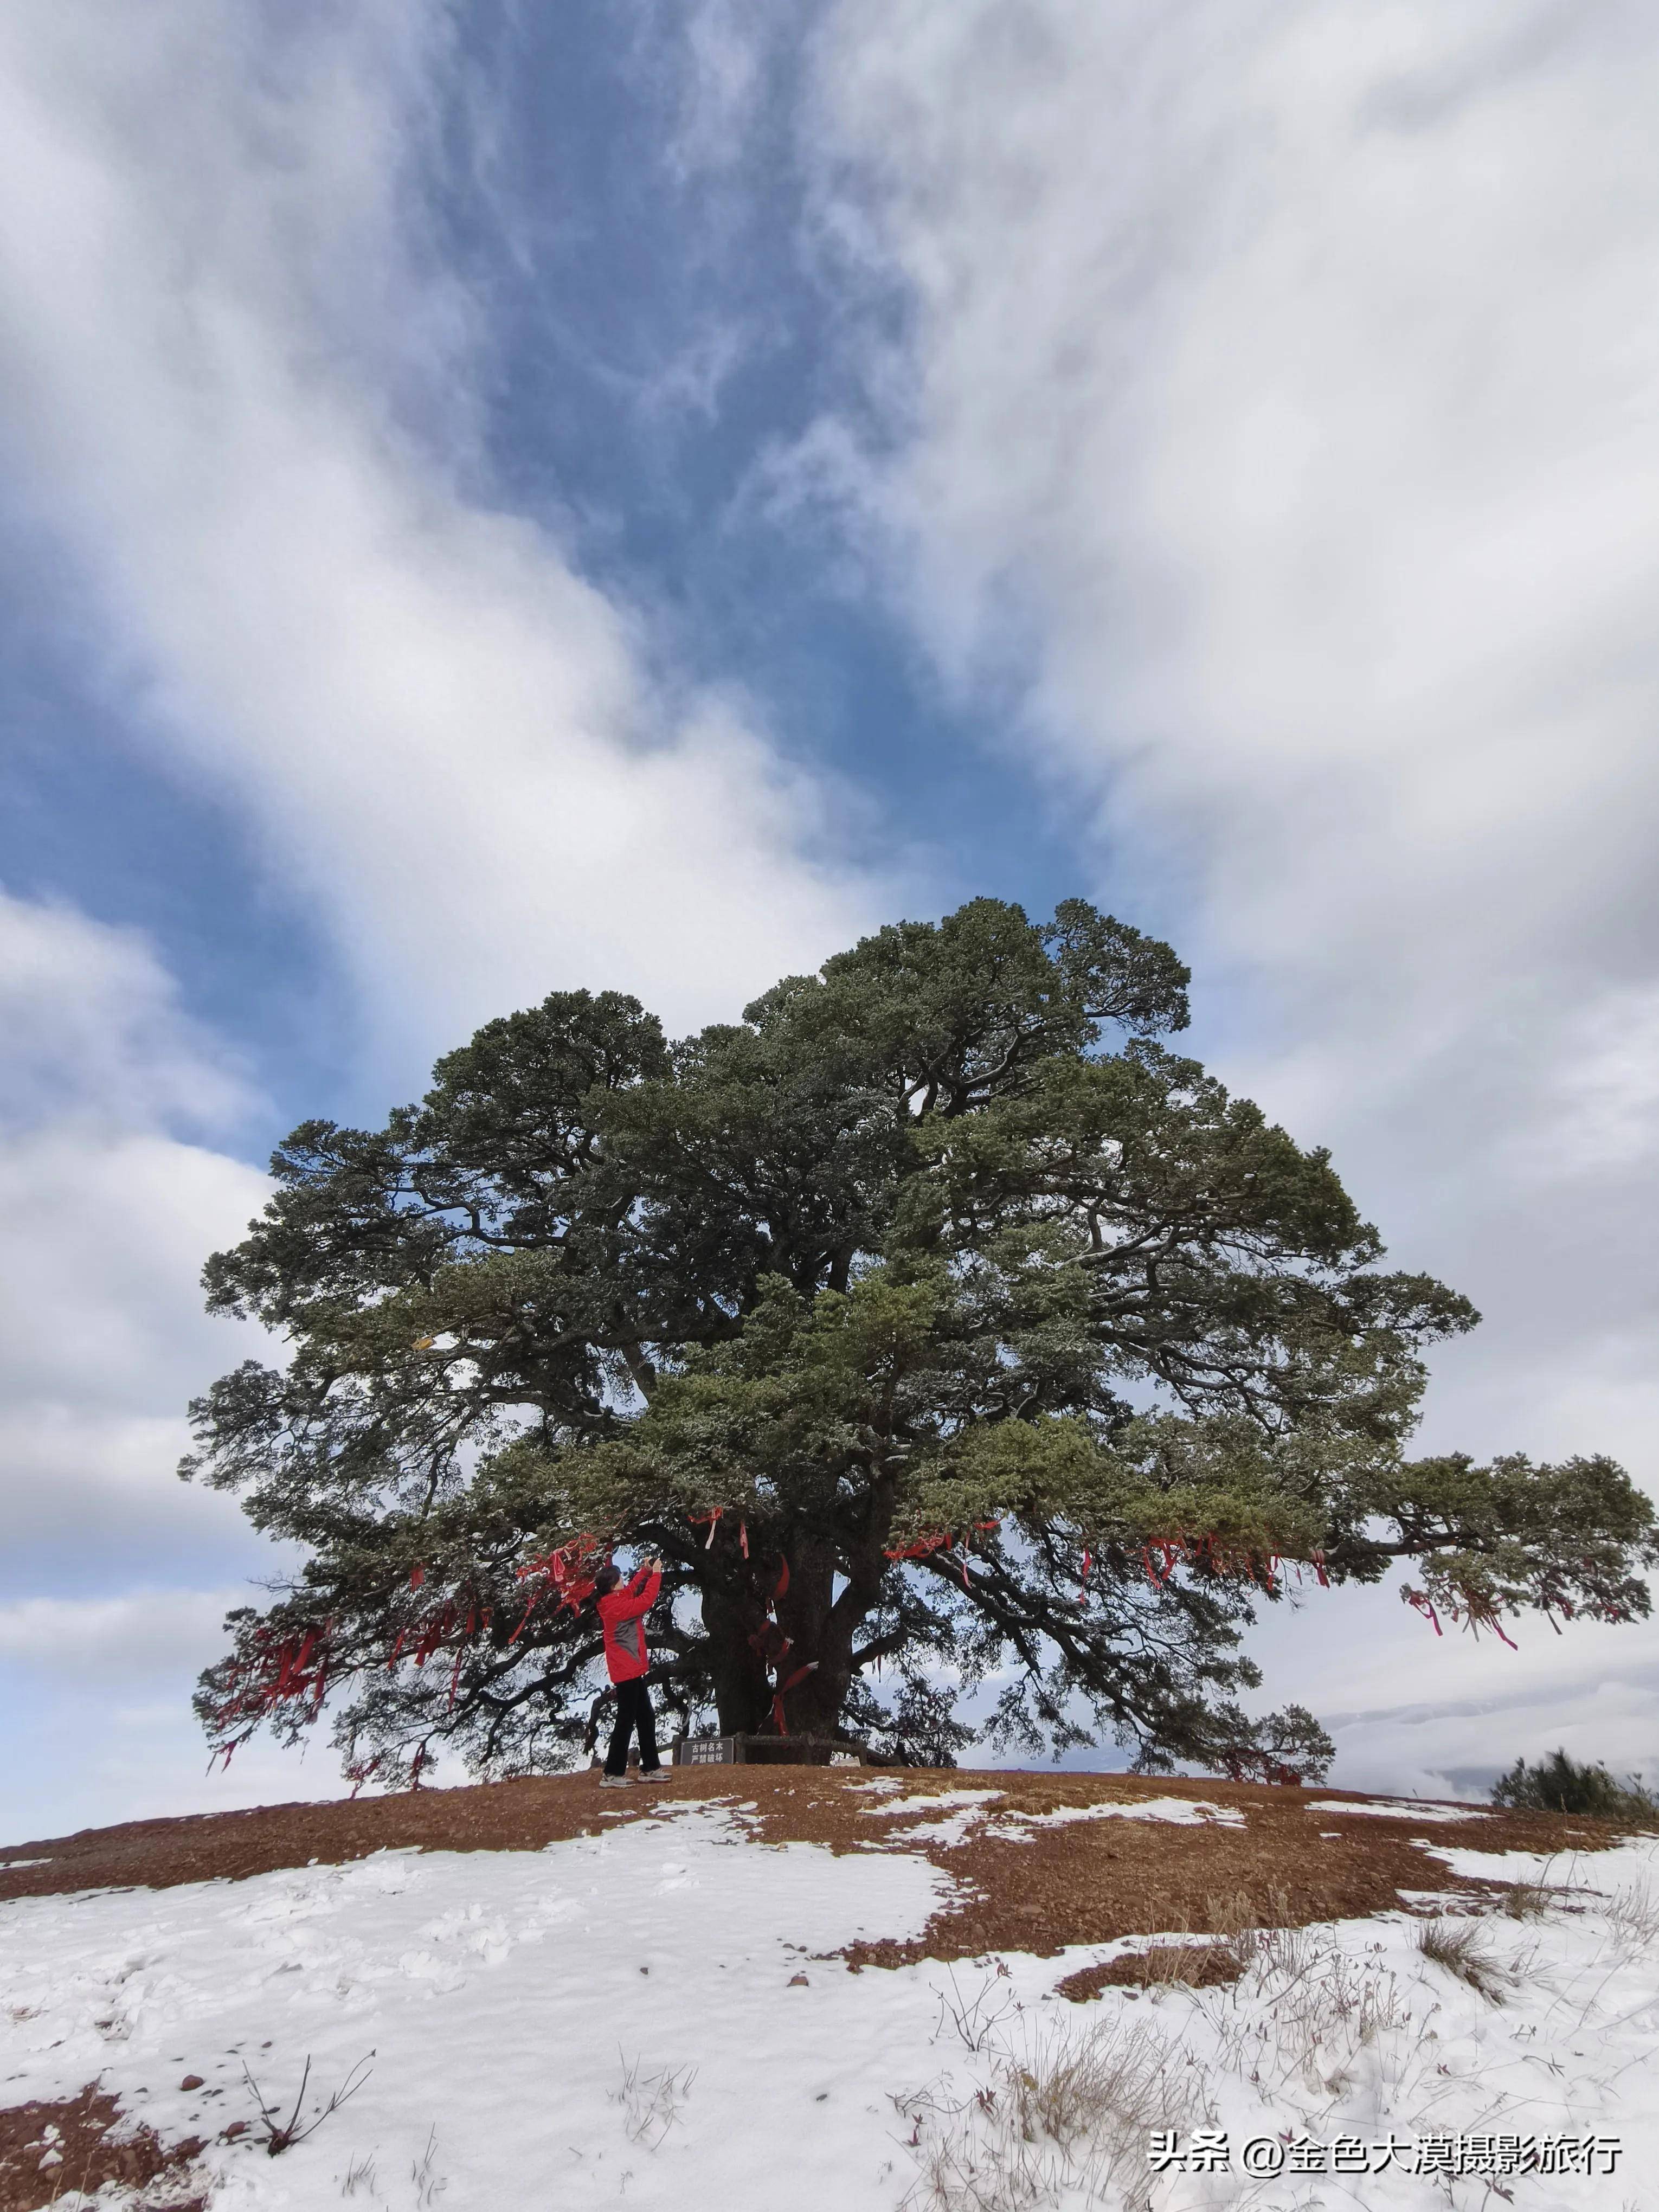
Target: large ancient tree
{"x":960,"y":1349}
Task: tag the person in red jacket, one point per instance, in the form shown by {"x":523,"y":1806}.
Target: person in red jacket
{"x":622,"y":1607}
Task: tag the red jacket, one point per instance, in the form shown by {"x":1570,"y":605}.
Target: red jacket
{"x":621,"y":1615}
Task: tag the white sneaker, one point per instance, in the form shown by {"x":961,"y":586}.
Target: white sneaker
{"x":616,"y":1781}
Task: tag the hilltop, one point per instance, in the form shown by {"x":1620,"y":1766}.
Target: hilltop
{"x":695,"y":1991}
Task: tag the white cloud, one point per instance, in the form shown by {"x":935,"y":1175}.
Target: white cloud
{"x":1271,"y":416}
{"x":240,"y":388}
{"x":223,"y":315}
{"x":105,"y":1239}
{"x":94,"y":1027}
{"x":121,"y":1641}
{"x":97,"y":1693}
{"x":108,"y":1217}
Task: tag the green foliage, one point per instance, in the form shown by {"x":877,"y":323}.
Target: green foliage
{"x":1560,"y":1784}
{"x":1036,"y":1359}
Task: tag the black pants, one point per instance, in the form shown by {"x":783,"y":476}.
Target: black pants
{"x":633,"y":1711}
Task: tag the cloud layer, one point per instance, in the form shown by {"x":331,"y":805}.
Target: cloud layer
{"x":1271,"y":417}
{"x":240,"y":382}
{"x":109,"y":1213}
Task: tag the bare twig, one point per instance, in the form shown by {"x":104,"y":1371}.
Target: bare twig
{"x":282,"y":2134}
{"x":973,"y":2018}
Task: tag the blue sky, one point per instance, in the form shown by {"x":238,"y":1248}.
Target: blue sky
{"x":493,"y":498}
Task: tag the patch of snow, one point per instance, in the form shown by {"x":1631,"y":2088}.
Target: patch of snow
{"x":1629,"y":1865}
{"x":1183,"y":1812}
{"x":942,"y":1801}
{"x":938,"y":1802}
{"x":1401,"y":1809}
{"x":963,"y":1811}
{"x":10,"y":1866}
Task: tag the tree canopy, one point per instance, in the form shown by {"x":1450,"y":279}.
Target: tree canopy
{"x":972,"y":1360}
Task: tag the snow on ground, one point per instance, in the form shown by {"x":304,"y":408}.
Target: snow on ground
{"x":503,"y":1996}
{"x":1403,"y":1808}
{"x":950,"y":1816}
{"x":937,"y":1801}
{"x":618,"y":2019}
{"x":1544,"y":2027}
{"x":1183,"y":1812}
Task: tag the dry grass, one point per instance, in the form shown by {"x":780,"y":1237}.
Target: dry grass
{"x":651,"y":2103}
{"x":1462,"y":1948}
{"x":278,"y":2134}
{"x":1235,"y":1929}
{"x":1633,"y":1915}
{"x":1307,"y":2013}
{"x":429,"y":2183}
{"x":1063,"y":2113}
{"x":1528,"y":1901}
{"x":975,"y":2016}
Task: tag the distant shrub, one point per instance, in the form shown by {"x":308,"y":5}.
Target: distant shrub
{"x":1560,"y":1784}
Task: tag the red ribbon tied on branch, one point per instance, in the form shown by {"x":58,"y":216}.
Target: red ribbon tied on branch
{"x":770,"y":1644}
{"x":1469,"y":1610}
{"x":1420,"y":1602}
{"x":711,"y":1519}
{"x":920,"y":1548}
{"x":931,"y":1540}
{"x":272,"y":1671}
{"x":569,"y":1570}
{"x":1161,"y":1555}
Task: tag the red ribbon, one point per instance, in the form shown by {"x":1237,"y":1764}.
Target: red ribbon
{"x":270,"y":1674}
{"x":779,"y":1695}
{"x":1419,"y":1600}
{"x":922,"y":1547}
{"x":566,"y":1569}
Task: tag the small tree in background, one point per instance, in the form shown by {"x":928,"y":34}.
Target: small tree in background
{"x":1560,"y":1784}
{"x":951,"y":1338}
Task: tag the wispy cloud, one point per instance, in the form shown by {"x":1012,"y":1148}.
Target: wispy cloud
{"x":1277,"y":408}
{"x":95,"y":1031}
{"x":228,"y":335}
{"x":110,"y":1200}
{"x":114,"y":1576}
{"x":1268,"y":409}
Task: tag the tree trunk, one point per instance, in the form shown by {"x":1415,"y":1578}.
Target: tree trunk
{"x":757,"y":1647}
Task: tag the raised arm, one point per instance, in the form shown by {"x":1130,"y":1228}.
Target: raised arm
{"x":639,"y":1595}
